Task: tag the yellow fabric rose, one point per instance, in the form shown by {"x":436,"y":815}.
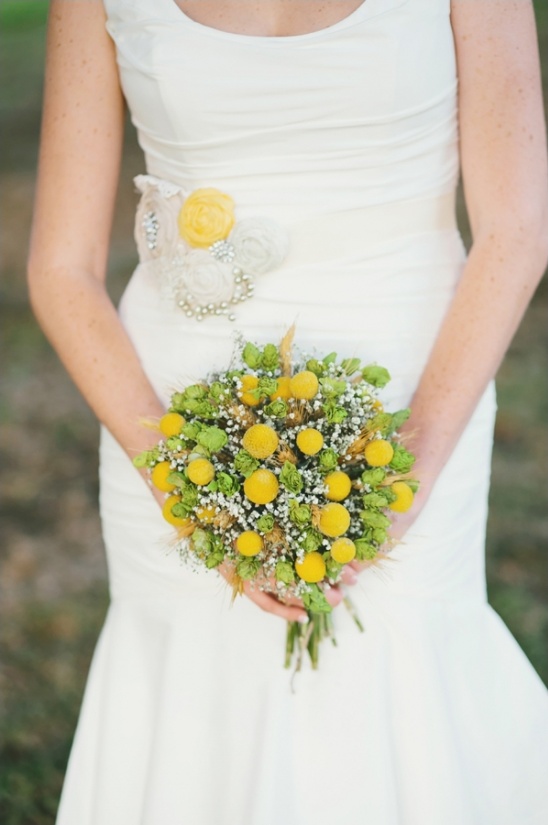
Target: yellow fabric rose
{"x":206,"y":216}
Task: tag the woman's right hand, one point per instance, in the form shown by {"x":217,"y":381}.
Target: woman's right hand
{"x":290,"y":609}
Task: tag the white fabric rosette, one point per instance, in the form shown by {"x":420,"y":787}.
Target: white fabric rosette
{"x":260,"y":244}
{"x":202,"y":277}
{"x":156,"y":232}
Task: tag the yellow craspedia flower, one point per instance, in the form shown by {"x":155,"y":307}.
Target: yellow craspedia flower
{"x":378,"y":453}
{"x":177,"y":521}
{"x":249,"y":382}
{"x":377,"y":405}
{"x":312,"y":568}
{"x":261,"y":487}
{"x":338,"y":485}
{"x":404,"y":499}
{"x":310,"y":441}
{"x":205,"y":514}
{"x":260,"y":441}
{"x":334,"y":520}
{"x":304,"y":385}
{"x":343,"y":550}
{"x":159,"y":477}
{"x":249,"y":543}
{"x":282,"y":390}
{"x":171,"y":423}
{"x":206,"y":216}
{"x":200,"y":471}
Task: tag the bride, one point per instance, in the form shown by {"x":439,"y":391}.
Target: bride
{"x":314,"y":114}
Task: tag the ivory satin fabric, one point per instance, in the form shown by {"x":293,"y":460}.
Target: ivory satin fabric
{"x":433,"y":715}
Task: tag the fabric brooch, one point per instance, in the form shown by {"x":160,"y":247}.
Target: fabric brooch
{"x":206,"y":258}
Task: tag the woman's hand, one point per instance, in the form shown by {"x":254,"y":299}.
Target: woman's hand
{"x":290,"y":609}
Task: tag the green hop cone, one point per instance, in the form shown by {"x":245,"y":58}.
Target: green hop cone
{"x":192,"y":429}
{"x":373,"y":477}
{"x":285,"y":572}
{"x":327,"y":460}
{"x":267,"y":386}
{"x":247,"y":568}
{"x":178,"y":479}
{"x":148,"y":458}
{"x":176,"y":443}
{"x":201,"y":540}
{"x":251,"y":356}
{"x":379,"y":499}
{"x":220,"y":392}
{"x":332,"y":387}
{"x":334,"y":414}
{"x":189,"y":495}
{"x":372,"y":518}
{"x":312,"y":540}
{"x":227,"y":484}
{"x":290,"y":478}
{"x":332,"y":568}
{"x":315,"y":601}
{"x":299,"y":514}
{"x":379,"y":535}
{"x":271,"y":357}
{"x":315,"y":366}
{"x":212,"y":438}
{"x":381,"y":422}
{"x":182,"y":510}
{"x":365,"y":551}
{"x":244,"y":463}
{"x":277,"y":408}
{"x":375,"y":375}
{"x":265,"y":523}
{"x":399,"y":418}
{"x":402,"y":460}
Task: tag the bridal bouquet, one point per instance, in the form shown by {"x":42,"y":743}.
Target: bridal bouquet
{"x":285,"y":469}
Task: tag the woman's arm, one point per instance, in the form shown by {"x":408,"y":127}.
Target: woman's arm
{"x":79,"y":162}
{"x":78,"y":169}
{"x":504,"y":169}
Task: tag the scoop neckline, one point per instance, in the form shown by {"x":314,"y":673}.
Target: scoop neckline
{"x":266,"y":39}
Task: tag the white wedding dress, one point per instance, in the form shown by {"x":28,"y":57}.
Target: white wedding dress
{"x":432,"y":716}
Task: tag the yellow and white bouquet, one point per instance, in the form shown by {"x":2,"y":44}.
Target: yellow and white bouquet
{"x":285,"y":469}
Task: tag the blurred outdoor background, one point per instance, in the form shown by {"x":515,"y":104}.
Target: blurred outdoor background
{"x":53,"y":593}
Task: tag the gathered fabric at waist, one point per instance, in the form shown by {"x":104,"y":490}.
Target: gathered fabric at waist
{"x":345,"y":234}
{"x":207,"y":261}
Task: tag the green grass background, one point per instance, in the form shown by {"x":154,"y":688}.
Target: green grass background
{"x":52,"y":571}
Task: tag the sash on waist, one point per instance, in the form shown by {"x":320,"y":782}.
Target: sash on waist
{"x":208,"y":263}
{"x":342,"y":234}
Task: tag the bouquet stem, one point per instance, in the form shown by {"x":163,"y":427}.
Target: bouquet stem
{"x":307,"y":637}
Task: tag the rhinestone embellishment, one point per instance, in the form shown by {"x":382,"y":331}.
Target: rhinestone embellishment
{"x":151,"y":225}
{"x":223,"y":251}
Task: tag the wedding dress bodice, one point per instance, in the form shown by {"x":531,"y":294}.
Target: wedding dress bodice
{"x":359,"y":113}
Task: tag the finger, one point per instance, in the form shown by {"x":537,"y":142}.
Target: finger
{"x":270,"y":586}
{"x":358,"y":566}
{"x":334,"y":595}
{"x":270,"y":604}
{"x":292,"y":600}
{"x":348,"y":575}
